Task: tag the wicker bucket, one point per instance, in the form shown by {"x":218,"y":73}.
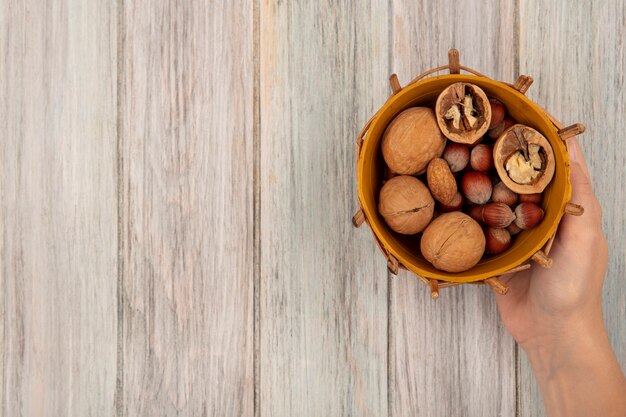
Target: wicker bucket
{"x":403,"y":251}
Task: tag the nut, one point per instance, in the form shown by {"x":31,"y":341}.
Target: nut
{"x":531,"y":198}
{"x":406,"y":204}
{"x":495,"y":132}
{"x":528,"y":215}
{"x":457,"y":156}
{"x":524,"y":159}
{"x":476,"y":187}
{"x":411,"y":140}
{"x":453,"y":242}
{"x":463,"y":112}
{"x":497,"y":215}
{"x":498,"y":111}
{"x":476,"y":212}
{"x":481,"y":158}
{"x":453,"y":205}
{"x":502,"y":194}
{"x":513,"y":229}
{"x":441,"y":181}
{"x":497,"y":240}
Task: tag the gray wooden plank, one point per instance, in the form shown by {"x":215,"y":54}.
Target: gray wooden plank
{"x":451,"y":356}
{"x":187,"y":109}
{"x":58,"y":208}
{"x":579,"y":77}
{"x":323,"y":299}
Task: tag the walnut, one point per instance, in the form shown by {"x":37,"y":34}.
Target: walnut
{"x":412,"y":140}
{"x":406,"y":204}
{"x":453,"y":242}
{"x":524,"y":160}
{"x":463,"y":113}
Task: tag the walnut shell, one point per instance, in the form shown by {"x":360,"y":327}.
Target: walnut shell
{"x":524,"y":160}
{"x":453,"y":242}
{"x":412,"y":140}
{"x":463,"y":113}
{"x":406,"y":204}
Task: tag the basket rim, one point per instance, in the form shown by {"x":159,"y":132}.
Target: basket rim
{"x":555,"y":140}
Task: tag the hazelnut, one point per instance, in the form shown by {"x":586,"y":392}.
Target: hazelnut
{"x":495,"y":132}
{"x":498,"y":112}
{"x":476,"y":187}
{"x":406,"y":204}
{"x":441,"y":181}
{"x":456,"y":155}
{"x":502,"y":194}
{"x":453,"y":205}
{"x":497,"y":215}
{"x":524,"y":159}
{"x":463,"y":112}
{"x":453,"y":242}
{"x":531,"y":198}
{"x":476,"y":212}
{"x":528,"y":215}
{"x":497,"y":240}
{"x":411,"y":140}
{"x":513,"y":229}
{"x":481,"y":158}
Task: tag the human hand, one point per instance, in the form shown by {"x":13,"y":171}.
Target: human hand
{"x":556,"y":314}
{"x":541,"y":303}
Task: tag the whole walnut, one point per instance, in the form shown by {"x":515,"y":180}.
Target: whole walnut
{"x":406,"y":204}
{"x":453,"y":242}
{"x":412,"y":140}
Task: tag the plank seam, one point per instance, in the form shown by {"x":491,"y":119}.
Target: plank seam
{"x":119,"y":380}
{"x":256,"y":229}
{"x":516,"y":38}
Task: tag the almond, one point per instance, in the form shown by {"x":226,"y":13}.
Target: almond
{"x":441,"y":181}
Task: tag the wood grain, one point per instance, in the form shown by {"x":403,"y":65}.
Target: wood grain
{"x":188,"y":208}
{"x":58,"y":208}
{"x":323,"y":295}
{"x":579,"y":76}
{"x":450,"y":356}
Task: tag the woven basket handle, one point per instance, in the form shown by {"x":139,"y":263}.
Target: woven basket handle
{"x":455,"y":68}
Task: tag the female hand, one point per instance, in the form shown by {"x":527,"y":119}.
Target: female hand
{"x":556,"y":314}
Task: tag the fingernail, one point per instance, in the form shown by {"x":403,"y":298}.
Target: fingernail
{"x":573,"y":150}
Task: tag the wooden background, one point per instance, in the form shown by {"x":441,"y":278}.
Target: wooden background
{"x":176,"y":187}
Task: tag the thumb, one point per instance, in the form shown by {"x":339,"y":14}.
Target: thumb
{"x":582,"y":187}
{"x":576,"y":155}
